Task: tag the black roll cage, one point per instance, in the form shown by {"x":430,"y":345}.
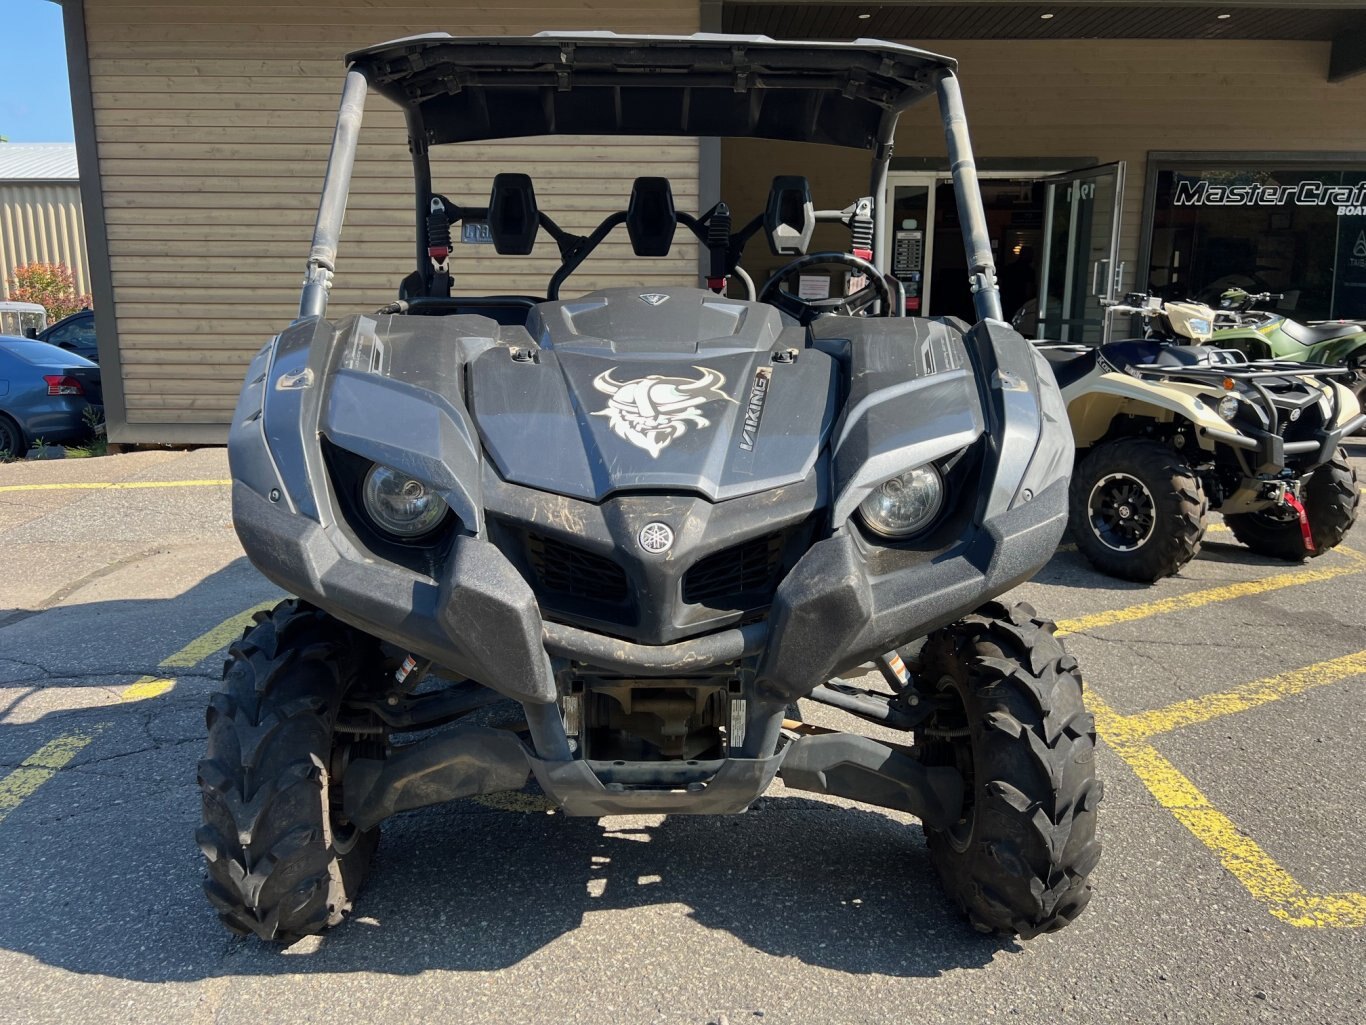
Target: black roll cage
{"x":873,"y":79}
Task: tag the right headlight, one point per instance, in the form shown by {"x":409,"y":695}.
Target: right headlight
{"x":906,"y":504}
{"x":1228,"y":407}
{"x":399,"y":505}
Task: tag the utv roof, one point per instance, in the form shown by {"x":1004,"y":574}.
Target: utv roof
{"x":601,"y":83}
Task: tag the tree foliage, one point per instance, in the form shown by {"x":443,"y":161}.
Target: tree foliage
{"x":51,"y":286}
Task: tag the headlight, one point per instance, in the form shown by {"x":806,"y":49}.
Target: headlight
{"x":399,"y":505}
{"x":1228,"y":407}
{"x":906,"y":504}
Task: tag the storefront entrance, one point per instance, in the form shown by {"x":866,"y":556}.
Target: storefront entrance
{"x":1055,"y":239}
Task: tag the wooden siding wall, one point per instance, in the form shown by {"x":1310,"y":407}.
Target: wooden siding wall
{"x":213,"y":121}
{"x":1108,"y":99}
{"x":41,"y":223}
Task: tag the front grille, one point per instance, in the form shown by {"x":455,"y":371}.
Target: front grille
{"x":564,"y":570}
{"x":1309,"y":422}
{"x":738,"y":577}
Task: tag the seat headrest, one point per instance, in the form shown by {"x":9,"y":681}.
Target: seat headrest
{"x":650,"y":217}
{"x":514,"y":218}
{"x":790,"y":217}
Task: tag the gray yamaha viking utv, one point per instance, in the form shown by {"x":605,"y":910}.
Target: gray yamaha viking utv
{"x":654,"y":519}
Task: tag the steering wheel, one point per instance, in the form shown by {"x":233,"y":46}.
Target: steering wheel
{"x":807,"y":310}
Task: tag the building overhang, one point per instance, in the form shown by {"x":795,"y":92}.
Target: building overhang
{"x":1341,"y":22}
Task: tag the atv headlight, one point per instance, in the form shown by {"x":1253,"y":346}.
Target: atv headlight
{"x":1228,"y":407}
{"x":906,"y":504}
{"x":399,"y":505}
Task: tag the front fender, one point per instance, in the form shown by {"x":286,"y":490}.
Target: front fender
{"x":1112,"y":395}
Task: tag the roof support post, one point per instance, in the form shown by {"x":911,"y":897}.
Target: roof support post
{"x":986,"y":295}
{"x":877,"y":184}
{"x":322,"y":257}
{"x":1348,"y":57}
{"x":422,"y":192}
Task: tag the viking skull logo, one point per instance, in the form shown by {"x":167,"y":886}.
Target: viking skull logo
{"x":650,"y":412}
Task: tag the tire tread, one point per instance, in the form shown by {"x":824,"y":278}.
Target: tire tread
{"x":1032,"y":848}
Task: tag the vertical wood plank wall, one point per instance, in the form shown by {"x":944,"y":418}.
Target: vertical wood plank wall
{"x":40,"y":222}
{"x":213,"y":121}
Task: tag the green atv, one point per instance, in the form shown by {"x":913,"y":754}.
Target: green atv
{"x":1265,"y":334}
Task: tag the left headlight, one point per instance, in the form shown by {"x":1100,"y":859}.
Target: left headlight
{"x":400,"y":505}
{"x":906,"y":504}
{"x":1228,"y":407}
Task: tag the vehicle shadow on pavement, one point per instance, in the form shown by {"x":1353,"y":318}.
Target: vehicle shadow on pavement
{"x":100,"y":873}
{"x":103,"y":877}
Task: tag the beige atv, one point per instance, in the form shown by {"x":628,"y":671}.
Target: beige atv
{"x":1168,"y":428}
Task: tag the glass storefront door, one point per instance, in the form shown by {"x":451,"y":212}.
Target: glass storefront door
{"x":1035,"y":223}
{"x":1081,"y":252}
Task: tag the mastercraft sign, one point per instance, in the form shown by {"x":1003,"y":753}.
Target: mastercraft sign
{"x":1349,"y":199}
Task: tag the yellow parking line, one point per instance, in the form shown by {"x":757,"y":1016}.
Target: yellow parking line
{"x":41,"y":766}
{"x":146,"y":687}
{"x":1210,"y":596}
{"x":116,"y":485}
{"x":193,"y":653}
{"x":1244,"y":859}
{"x":1142,"y":725}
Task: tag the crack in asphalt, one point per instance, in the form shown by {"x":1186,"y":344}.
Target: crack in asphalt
{"x":94,"y":674}
{"x":67,"y":590}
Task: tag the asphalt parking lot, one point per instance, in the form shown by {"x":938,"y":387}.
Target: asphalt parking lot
{"x":1232,"y":887}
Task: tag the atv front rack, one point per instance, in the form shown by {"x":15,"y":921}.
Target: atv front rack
{"x":1273,"y":446}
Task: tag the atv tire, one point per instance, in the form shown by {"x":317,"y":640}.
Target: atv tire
{"x":282,"y":861}
{"x":1137,"y":510}
{"x":1330,"y":500}
{"x":1014,"y":724}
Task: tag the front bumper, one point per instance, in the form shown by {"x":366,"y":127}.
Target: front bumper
{"x":1274,"y":453}
{"x":481,"y":619}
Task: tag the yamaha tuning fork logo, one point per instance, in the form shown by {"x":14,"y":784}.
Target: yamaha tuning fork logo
{"x":656,"y":538}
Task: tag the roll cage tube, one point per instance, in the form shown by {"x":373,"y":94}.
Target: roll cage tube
{"x":322,"y":257}
{"x":986,"y":294}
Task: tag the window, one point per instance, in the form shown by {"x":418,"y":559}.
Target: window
{"x":80,"y":333}
{"x":1296,"y":231}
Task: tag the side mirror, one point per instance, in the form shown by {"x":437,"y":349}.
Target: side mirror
{"x":650,"y":217}
{"x":514,"y":218}
{"x":31,"y":332}
{"x":790,"y":217}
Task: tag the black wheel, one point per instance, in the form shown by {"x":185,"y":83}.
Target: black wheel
{"x":1330,"y":498}
{"x":12,"y":443}
{"x":1137,"y":509}
{"x":1013,"y":722}
{"x":283,"y":862}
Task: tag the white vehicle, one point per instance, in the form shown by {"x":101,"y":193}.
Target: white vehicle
{"x":22,"y":320}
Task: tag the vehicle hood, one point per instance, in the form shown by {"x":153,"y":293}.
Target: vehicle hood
{"x":722,"y":415}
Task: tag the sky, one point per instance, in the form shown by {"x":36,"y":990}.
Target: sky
{"x":35,"y":100}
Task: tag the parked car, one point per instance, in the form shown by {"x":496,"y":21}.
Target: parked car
{"x":24,"y":320}
{"x":44,"y":393}
{"x":75,"y":333}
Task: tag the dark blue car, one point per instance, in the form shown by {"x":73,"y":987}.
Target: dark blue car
{"x":44,"y":393}
{"x":75,"y":333}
